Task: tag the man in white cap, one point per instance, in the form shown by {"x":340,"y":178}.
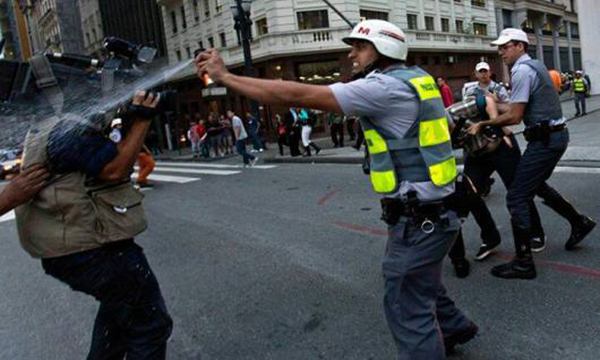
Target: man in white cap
{"x":485,"y":85}
{"x":534,"y":101}
{"x":412,"y":166}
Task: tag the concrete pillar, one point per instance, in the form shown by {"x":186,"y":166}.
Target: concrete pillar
{"x":499,"y":20}
{"x":590,"y":50}
{"x":519,"y":17}
{"x":570,"y":46}
{"x":555,"y":22}
{"x":538,"y":20}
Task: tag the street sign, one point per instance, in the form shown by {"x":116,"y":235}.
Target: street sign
{"x":214,"y":91}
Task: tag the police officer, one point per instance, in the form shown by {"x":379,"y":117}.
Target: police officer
{"x":479,"y":167}
{"x":580,"y":89}
{"x":23,"y":188}
{"x":412,"y":166}
{"x":82,"y":224}
{"x":534,"y":101}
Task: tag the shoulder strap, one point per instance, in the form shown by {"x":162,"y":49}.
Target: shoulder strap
{"x":46,"y":81}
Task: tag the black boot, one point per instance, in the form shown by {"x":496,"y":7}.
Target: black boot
{"x":522,"y":266}
{"x":462,"y":268}
{"x":581,"y":225}
{"x":317,"y":149}
{"x":307,"y":151}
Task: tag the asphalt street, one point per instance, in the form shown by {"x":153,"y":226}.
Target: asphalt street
{"x":284,"y":263}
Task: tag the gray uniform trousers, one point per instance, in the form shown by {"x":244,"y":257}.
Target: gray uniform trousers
{"x":418,"y":311}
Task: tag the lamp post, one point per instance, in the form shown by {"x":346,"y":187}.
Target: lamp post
{"x":240,"y":9}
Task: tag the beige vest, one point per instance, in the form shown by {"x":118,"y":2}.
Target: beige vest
{"x":73,"y":213}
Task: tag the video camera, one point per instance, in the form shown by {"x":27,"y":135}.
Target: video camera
{"x":89,"y":86}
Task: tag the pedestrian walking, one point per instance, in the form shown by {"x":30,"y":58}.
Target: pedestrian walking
{"x":446,"y":92}
{"x":350,"y":124}
{"x":194,"y":138}
{"x":534,"y":101}
{"x":282,"y":138}
{"x":306,"y":121}
{"x":336,"y":128}
{"x":146,"y":165}
{"x":293,"y":130}
{"x":580,"y":89}
{"x":254,"y":128}
{"x":241,"y":135}
{"x":412,"y":167}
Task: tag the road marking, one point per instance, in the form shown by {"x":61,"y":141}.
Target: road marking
{"x":7,"y":217}
{"x":168,"y":178}
{"x":215,"y":166}
{"x":194,"y":171}
{"x":327,"y":197}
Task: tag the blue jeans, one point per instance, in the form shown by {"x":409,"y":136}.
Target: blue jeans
{"x":536,"y":166}
{"x":240,"y":146}
{"x":132,"y":319}
{"x":256,"y":143}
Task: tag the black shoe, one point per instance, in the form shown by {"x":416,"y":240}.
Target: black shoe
{"x":460,"y":337}
{"x":485,"y":250}
{"x":146,"y":185}
{"x":577,"y":114}
{"x":538,"y":243}
{"x":462,"y":268}
{"x":516,"y":269}
{"x":584,"y":114}
{"x":579,"y":232}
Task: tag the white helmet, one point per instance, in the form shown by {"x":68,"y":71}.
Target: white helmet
{"x":386,"y":37}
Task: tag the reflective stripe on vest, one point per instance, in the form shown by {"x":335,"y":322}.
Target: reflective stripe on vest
{"x":579,"y":85}
{"x":425,"y":153}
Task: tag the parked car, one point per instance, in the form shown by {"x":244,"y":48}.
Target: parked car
{"x":10,"y":163}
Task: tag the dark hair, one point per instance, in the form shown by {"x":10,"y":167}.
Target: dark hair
{"x":525,"y":45}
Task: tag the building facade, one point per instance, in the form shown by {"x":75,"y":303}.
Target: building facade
{"x":91,"y":25}
{"x":54,"y":25}
{"x":590,"y":31}
{"x":13,"y":30}
{"x":139,"y":21}
{"x":301,"y":40}
{"x":553,"y":29}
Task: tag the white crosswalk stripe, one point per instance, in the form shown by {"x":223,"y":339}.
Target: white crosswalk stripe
{"x":214,"y":166}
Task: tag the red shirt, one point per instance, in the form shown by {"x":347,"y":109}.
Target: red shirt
{"x":447,"y":97}
{"x":200,"y":130}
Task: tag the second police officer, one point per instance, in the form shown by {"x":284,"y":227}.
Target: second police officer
{"x":534,"y":101}
{"x":412,"y":167}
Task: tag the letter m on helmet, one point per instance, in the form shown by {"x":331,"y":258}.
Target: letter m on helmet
{"x":364,"y":31}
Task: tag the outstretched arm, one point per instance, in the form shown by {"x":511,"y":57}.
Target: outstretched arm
{"x":286,"y":93}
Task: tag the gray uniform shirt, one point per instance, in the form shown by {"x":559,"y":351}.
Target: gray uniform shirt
{"x":236,"y":122}
{"x":523,"y":80}
{"x":393,"y":106}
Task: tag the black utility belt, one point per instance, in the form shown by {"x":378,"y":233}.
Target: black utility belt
{"x":541,"y":132}
{"x":424,"y":215}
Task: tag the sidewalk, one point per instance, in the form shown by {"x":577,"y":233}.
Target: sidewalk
{"x":583,"y":148}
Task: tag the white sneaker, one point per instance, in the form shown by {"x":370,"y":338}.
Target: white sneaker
{"x":253,"y":151}
{"x":253,"y":161}
{"x":261,"y":150}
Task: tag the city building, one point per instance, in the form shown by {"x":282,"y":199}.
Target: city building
{"x":590,"y":31}
{"x":553,"y":29}
{"x":91,"y":26}
{"x":13,"y":31}
{"x":139,"y":21}
{"x":302,"y":41}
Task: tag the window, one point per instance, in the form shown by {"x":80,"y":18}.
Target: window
{"x":445,"y":25}
{"x":460,"y":28}
{"x":188,"y":52}
{"x":480,"y":3}
{"x":317,"y":19}
{"x":412,"y":21}
{"x":429,"y":23}
{"x":174,"y":22}
{"x":223,"y":40}
{"x":196,"y":10}
{"x":206,"y":8}
{"x":480,"y":29}
{"x":575,"y":30}
{"x":377,"y":15}
{"x":507,"y":18}
{"x":211,"y":42}
{"x":183,"y":22}
{"x":178,"y":54}
{"x":262,"y":27}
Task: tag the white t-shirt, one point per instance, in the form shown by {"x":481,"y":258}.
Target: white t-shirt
{"x":238,"y":123}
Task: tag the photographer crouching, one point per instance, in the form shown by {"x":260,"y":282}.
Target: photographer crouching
{"x":82,"y":226}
